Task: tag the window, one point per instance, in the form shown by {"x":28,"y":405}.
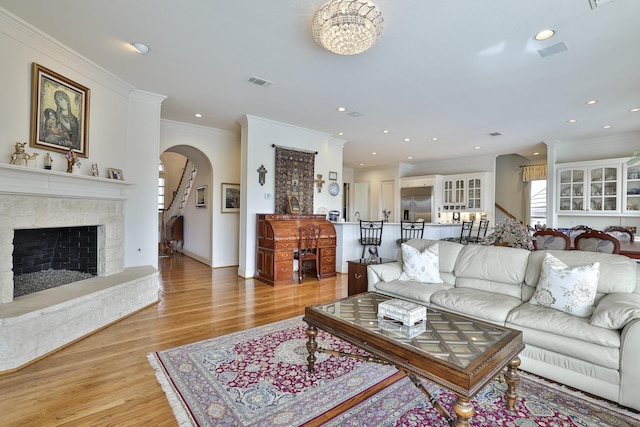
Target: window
{"x":538,"y":202}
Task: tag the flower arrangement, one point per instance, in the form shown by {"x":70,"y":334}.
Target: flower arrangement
{"x":509,"y":232}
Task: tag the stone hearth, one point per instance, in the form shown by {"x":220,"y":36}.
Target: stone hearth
{"x":36,"y":324}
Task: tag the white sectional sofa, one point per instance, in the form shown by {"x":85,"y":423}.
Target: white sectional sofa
{"x":599,"y":353}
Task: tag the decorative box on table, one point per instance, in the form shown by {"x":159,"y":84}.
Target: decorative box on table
{"x":406,"y":312}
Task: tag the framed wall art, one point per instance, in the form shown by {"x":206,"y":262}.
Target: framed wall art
{"x":59,"y":113}
{"x":116,"y":174}
{"x":230,"y":198}
{"x":201,"y":196}
{"x":333,"y":176}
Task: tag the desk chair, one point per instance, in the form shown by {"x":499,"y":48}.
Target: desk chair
{"x":308,"y":236}
{"x":370,"y":234}
{"x":597,"y":241}
{"x":551,"y":238}
{"x":410,"y":230}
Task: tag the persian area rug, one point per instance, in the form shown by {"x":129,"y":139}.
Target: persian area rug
{"x":259,"y":377}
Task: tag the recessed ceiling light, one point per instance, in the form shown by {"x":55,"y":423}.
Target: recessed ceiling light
{"x":607,"y":127}
{"x":545,"y":34}
{"x":140,"y":47}
{"x":591,"y":102}
{"x":434,"y":138}
{"x":571,"y":121}
{"x":407,"y":139}
{"x":340,"y":133}
{"x":409,"y":157}
{"x":198,"y":115}
{"x":374,"y":153}
{"x":341,"y":109}
{"x":536,"y":153}
{"x":477,"y":147}
{"x":361,"y":164}
{"x":385,"y":131}
{"x":634,"y":110}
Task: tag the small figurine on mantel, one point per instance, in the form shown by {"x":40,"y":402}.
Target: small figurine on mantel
{"x":73,"y":164}
{"x":21,"y":157}
{"x":48,"y":161}
{"x":385,"y":214}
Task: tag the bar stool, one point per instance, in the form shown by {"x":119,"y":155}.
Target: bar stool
{"x":370,"y":234}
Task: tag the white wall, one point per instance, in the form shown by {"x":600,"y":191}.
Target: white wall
{"x":123,"y":125}
{"x":258,"y":136}
{"x":221,"y":151}
{"x":510,"y":190}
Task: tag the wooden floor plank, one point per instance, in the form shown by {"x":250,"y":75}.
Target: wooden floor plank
{"x":105,"y":378}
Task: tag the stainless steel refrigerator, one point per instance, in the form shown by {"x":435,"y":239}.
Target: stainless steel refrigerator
{"x":415,"y":203}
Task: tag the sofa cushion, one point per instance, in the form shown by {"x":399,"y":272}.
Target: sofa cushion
{"x":615,"y":310}
{"x":480,"y":304}
{"x":420,"y":266}
{"x":415,"y":291}
{"x":617,"y":272}
{"x":571,"y":290}
{"x":563,"y":333}
{"x":496,"y":269}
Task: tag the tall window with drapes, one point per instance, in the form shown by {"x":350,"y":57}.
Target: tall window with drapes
{"x":535,"y":179}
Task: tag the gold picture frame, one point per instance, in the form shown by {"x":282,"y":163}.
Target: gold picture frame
{"x":59,"y":113}
{"x":294,"y":205}
{"x":116,"y":174}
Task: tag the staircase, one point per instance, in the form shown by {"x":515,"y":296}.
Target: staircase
{"x":176,"y":207}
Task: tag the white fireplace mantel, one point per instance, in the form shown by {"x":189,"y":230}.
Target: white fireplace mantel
{"x":42,"y":182}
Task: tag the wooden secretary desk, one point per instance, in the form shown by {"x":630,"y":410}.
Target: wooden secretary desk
{"x":277,"y":239}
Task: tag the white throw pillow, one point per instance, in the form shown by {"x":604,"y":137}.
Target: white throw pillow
{"x":571,"y":290}
{"x":420,"y":266}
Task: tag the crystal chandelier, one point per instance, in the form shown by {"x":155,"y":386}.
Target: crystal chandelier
{"x":347,"y":27}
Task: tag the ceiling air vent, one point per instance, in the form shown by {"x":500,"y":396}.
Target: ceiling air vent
{"x":553,"y":49}
{"x":260,"y":82}
{"x":596,"y":3}
{"x":355,"y":114}
{"x":495,"y":134}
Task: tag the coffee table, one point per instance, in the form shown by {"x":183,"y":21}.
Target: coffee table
{"x":456,"y":352}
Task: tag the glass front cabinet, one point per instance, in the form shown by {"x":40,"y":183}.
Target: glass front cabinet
{"x":631,"y":201}
{"x":591,"y":188}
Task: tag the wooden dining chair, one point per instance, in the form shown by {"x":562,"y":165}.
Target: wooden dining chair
{"x":575,"y":231}
{"x":410,"y":230}
{"x":621,"y":233}
{"x":597,"y":241}
{"x":370,"y":234}
{"x":551,"y":238}
{"x":308,"y":237}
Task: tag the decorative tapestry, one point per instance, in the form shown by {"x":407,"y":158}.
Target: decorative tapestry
{"x":294,"y":178}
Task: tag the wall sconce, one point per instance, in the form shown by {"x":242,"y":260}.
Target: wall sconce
{"x":261,"y":173}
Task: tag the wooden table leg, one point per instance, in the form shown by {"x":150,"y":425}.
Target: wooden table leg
{"x":312,"y":346}
{"x":464,"y":410}
{"x":512,"y":379}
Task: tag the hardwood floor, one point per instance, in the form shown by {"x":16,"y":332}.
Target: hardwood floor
{"x":106,"y":380}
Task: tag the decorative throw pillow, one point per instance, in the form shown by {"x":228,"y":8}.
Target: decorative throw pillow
{"x":571,"y":290}
{"x":420,"y":266}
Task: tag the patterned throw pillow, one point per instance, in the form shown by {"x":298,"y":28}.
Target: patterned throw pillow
{"x":420,"y":266}
{"x":571,"y":290}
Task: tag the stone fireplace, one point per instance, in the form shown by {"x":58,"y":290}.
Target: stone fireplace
{"x":36,"y":324}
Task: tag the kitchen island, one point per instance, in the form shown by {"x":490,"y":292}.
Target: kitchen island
{"x":348,"y":245}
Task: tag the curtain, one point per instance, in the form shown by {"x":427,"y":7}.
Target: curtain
{"x":534,"y":172}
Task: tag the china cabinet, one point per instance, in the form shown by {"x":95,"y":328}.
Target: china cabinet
{"x":468,"y":192}
{"x":592,"y":188}
{"x":631,"y":194}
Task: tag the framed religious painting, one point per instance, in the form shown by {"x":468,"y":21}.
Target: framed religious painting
{"x":59,"y":113}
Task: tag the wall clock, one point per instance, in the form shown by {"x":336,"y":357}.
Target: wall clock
{"x":334,"y":188}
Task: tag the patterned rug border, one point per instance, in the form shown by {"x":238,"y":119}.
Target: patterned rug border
{"x":185,"y":418}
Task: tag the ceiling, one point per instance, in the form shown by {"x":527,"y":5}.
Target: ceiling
{"x":453,"y":70}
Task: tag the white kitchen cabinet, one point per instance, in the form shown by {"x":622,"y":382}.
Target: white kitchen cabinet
{"x":471,"y":192}
{"x":631,"y":189}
